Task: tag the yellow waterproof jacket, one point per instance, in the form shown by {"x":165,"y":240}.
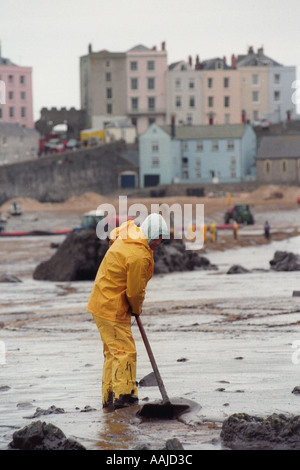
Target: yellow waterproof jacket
{"x":119,"y":287}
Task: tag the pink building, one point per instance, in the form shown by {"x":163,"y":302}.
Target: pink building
{"x":146,"y":86}
{"x":15,"y":94}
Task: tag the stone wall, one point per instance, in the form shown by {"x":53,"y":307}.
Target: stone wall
{"x":57,"y":177}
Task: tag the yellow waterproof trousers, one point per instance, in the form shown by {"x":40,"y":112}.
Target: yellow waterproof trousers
{"x":119,"y":370}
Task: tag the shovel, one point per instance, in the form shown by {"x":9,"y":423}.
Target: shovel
{"x":163,"y":409}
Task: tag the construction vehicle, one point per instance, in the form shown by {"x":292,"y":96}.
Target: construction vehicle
{"x":240,"y":213}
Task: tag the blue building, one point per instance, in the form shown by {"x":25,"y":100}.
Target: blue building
{"x":197,"y":154}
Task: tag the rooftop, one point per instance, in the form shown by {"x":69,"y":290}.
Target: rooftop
{"x":279,"y":147}
{"x":230,"y":131}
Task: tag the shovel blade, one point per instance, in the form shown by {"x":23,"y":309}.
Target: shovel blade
{"x":161,"y":410}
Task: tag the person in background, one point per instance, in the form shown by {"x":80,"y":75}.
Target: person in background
{"x":267,"y":229}
{"x":118,"y":293}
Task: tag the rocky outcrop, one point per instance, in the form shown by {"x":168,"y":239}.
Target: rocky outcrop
{"x":43,"y":436}
{"x":277,"y":431}
{"x":285,"y":261}
{"x":79,"y":256}
{"x":237,"y":269}
{"x":174,"y":257}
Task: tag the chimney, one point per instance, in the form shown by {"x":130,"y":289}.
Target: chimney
{"x":224,"y":59}
{"x":190,"y":60}
{"x":90,"y":48}
{"x":173,"y":129}
{"x":154,"y":48}
{"x":260,"y":51}
{"x":250,"y":50}
{"x":197,"y":66}
{"x":233,"y":61}
{"x":163,"y":46}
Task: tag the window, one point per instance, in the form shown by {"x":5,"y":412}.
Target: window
{"x":109,"y":108}
{"x":108,"y":76}
{"x":192,"y":101}
{"x":230,"y":145}
{"x":227,"y":119}
{"x":267,"y":167}
{"x":199,"y":146}
{"x":226,"y":82}
{"x":210,"y":101}
{"x":255,"y":115}
{"x":255,"y":79}
{"x":178,"y":84}
{"x":107,"y":63}
{"x":22,"y":79}
{"x":133,"y":65}
{"x":185,"y":147}
{"x":155,"y":147}
{"x":23,"y":112}
{"x":178,"y":101}
{"x":283,"y":166}
{"x":215,"y":145}
{"x":210,"y":82}
{"x":10,"y":95}
{"x":198,"y":167}
{"x":151,"y":120}
{"x":10,"y":79}
{"x":277,"y":78}
{"x":191,"y":83}
{"x":155,"y":162}
{"x":108,"y":93}
{"x":255,"y":97}
{"x":189,"y":120}
{"x":4,"y":140}
{"x":151,"y":83}
{"x":226,"y":101}
{"x":11,"y":112}
{"x":23,"y":95}
{"x":151,"y":103}
{"x":150,"y":65}
{"x":134,"y":104}
{"x":134,"y":83}
{"x":276,"y":95}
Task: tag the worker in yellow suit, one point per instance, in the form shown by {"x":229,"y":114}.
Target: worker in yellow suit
{"x":117,"y":294}
{"x":213,"y":232}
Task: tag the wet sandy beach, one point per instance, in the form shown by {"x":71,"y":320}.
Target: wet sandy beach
{"x":224,"y":342}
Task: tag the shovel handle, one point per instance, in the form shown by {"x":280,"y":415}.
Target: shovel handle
{"x":153,"y":362}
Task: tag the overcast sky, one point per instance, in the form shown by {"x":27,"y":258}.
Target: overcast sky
{"x":51,"y":35}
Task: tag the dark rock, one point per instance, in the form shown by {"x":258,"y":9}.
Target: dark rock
{"x":237,"y":269}
{"x":87,"y":409}
{"x":148,"y":381}
{"x":296,"y":390}
{"x":42,"y":436}
{"x":51,"y":410}
{"x":173,"y":444}
{"x":77,"y":258}
{"x":182,"y":359}
{"x":277,"y":431}
{"x":4,"y":388}
{"x":285,"y":261}
{"x":9,"y":278}
{"x":174,"y":257}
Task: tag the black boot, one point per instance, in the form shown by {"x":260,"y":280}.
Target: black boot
{"x":125,"y":400}
{"x":109,"y":403}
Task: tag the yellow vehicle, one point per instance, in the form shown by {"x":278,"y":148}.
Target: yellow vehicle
{"x":92,"y":137}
